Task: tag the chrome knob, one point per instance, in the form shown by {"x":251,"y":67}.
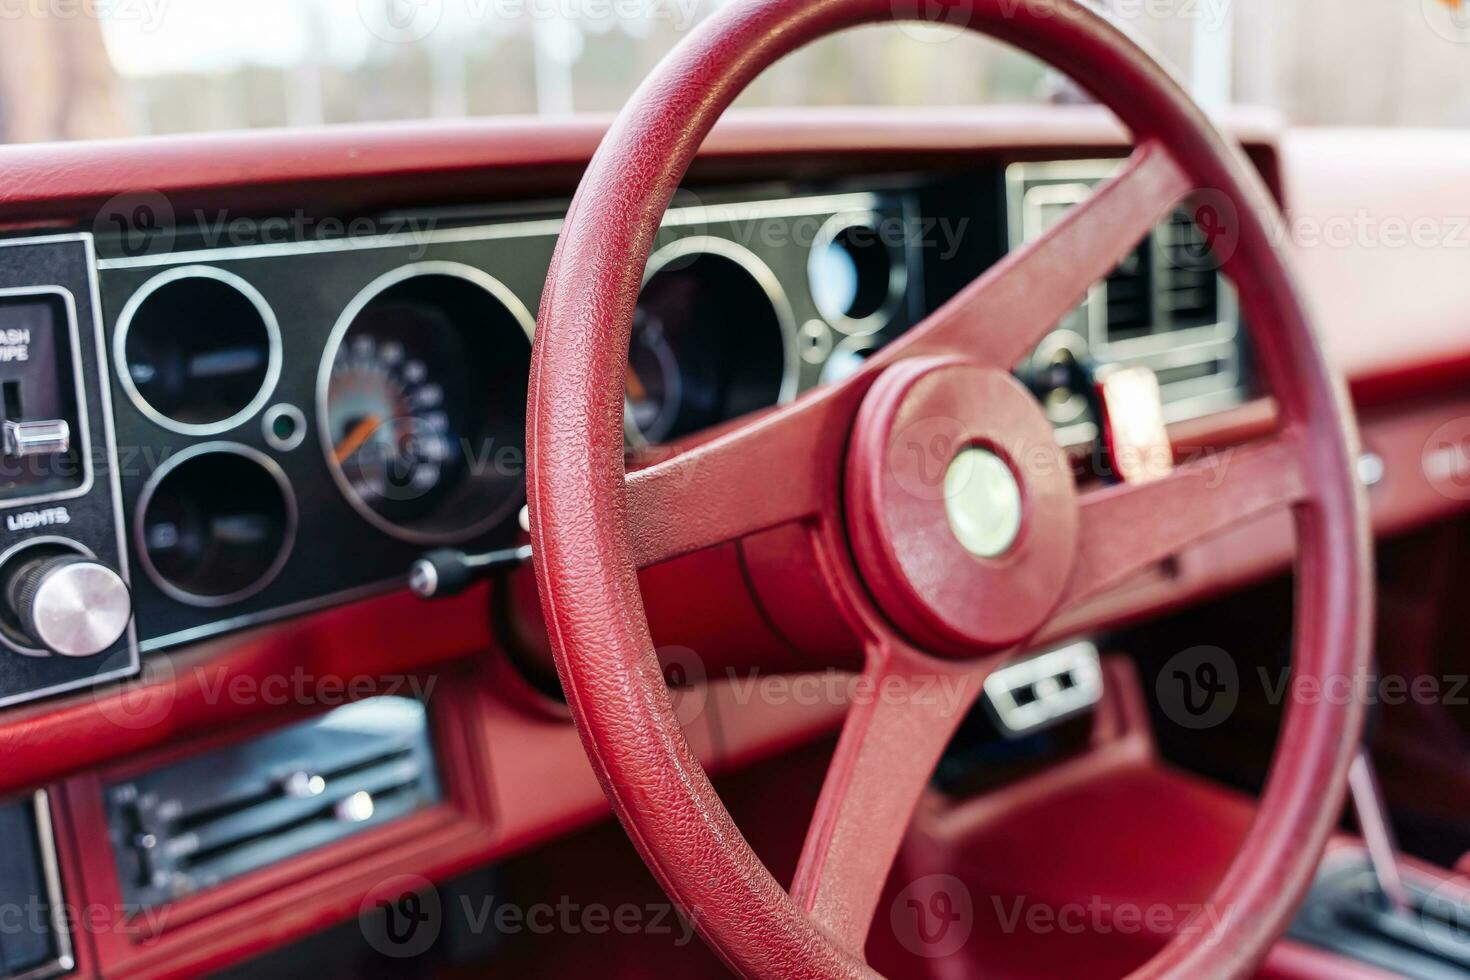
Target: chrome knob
{"x":70,"y":605}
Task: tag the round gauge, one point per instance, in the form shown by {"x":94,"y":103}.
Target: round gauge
{"x":857,"y":280}
{"x":390,"y":434}
{"x":422,"y":403}
{"x":713,"y":339}
{"x":654,"y":387}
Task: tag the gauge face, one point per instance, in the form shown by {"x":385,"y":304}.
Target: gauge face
{"x":390,"y":434}
{"x":422,"y":406}
{"x":655,"y":386}
{"x":713,"y":338}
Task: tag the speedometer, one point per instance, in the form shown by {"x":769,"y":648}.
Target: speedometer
{"x":422,"y":403}
{"x":390,"y":433}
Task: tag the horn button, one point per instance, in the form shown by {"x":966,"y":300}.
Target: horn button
{"x":962,"y":509}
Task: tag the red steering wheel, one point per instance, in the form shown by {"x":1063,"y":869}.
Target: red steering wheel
{"x":927,"y":600}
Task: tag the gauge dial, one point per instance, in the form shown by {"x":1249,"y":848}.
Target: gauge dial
{"x":654,"y":385}
{"x":713,"y":338}
{"x":390,"y":434}
{"x":422,"y":399}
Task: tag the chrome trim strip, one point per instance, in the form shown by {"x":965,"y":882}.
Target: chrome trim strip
{"x":109,"y":432}
{"x":65,"y":960}
{"x":145,"y":497}
{"x":275,"y":614}
{"x":274,"y":355}
{"x":71,"y":236}
{"x":549,"y":227}
{"x":497,"y":291}
{"x":83,"y":416}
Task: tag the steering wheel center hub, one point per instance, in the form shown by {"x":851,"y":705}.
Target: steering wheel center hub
{"x":983,"y":500}
{"x":962,"y":509}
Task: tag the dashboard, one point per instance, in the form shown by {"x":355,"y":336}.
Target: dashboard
{"x":235,"y":433}
{"x":292,"y":420}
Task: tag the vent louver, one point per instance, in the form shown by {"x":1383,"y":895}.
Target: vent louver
{"x":1190,"y":296}
{"x":1130,"y":296}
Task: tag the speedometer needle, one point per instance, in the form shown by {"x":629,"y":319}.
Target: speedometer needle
{"x":361,"y":433}
{"x":635,"y":385}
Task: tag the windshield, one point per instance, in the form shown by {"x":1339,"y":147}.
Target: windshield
{"x":73,"y":69}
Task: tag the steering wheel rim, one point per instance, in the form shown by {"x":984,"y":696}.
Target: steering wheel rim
{"x":593,"y":525}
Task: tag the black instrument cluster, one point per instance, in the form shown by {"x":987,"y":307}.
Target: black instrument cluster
{"x":298,"y":422}
{"x":238,"y":431}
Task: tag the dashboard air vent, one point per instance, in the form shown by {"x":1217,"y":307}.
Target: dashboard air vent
{"x":221,"y":815}
{"x":1166,"y":307}
{"x":1191,"y":287}
{"x":1130,"y":296}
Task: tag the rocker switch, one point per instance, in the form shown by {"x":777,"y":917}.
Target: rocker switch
{"x":49,"y":438}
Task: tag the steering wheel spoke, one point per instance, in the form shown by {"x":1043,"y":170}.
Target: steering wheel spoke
{"x":999,"y":318}
{"x":905,"y":710}
{"x":1127,"y":527}
{"x":777,"y":468}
